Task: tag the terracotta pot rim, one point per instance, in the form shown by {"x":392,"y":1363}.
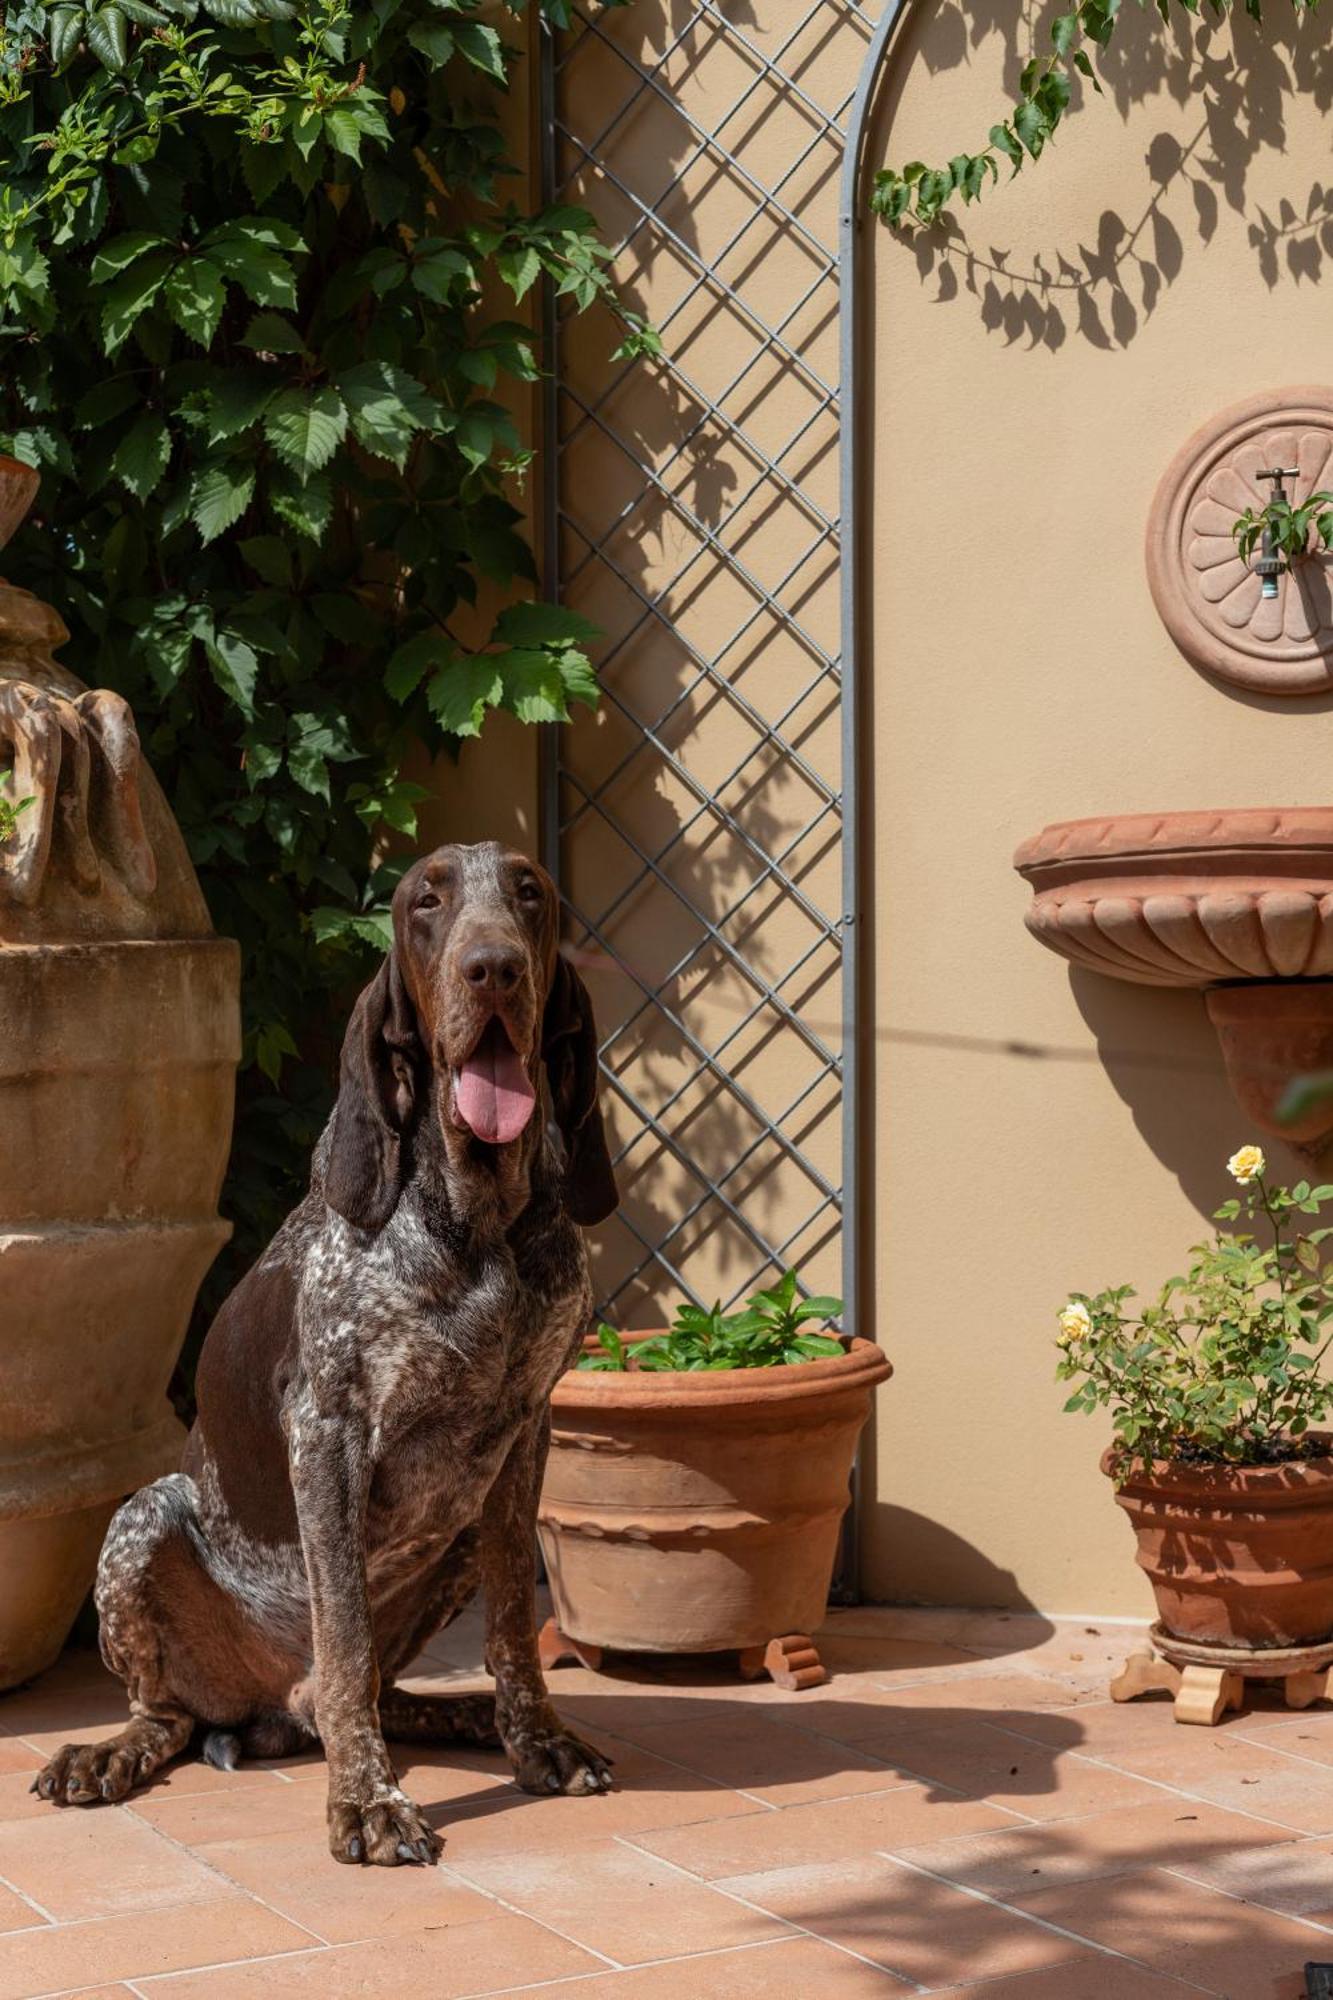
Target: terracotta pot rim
{"x":1179,"y":1476}
{"x":1121,"y":836}
{"x":861,"y":1366}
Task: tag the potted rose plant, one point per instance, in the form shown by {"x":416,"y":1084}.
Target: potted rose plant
{"x":696,"y":1481}
{"x":1216,"y":1395}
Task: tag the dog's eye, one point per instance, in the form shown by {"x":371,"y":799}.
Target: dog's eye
{"x":428,"y":901}
{"x":529,"y":892}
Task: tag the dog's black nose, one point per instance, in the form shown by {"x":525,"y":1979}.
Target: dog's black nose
{"x":492,"y":968}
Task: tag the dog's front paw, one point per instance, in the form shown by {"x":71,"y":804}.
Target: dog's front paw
{"x":386,"y":1831}
{"x":89,"y":1774}
{"x":559,"y":1762}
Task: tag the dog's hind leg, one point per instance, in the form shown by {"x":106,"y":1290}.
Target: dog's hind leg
{"x":184,"y":1644}
{"x":439,"y":1718}
{"x":132,"y":1646}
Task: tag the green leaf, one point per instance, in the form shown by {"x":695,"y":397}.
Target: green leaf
{"x":520,"y":269}
{"x":482,"y":47}
{"x":305,"y":427}
{"x":269,"y":557}
{"x":194,"y":295}
{"x":130,"y":296}
{"x":268,"y":333}
{"x":235,"y":668}
{"x":540,"y":624}
{"x":460,"y":693}
{"x":65,"y":29}
{"x":142,"y":456}
{"x":220,"y":495}
{"x":305,"y":505}
{"x":387,"y":408}
{"x":263,"y":275}
{"x":237,"y":399}
{"x":433,"y":40}
{"x":108,"y":36}
{"x":343,"y":132}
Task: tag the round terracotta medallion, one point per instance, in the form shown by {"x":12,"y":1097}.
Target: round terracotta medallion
{"x":1209,"y":600}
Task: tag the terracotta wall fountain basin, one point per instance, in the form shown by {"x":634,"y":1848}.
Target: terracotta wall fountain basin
{"x":1238,"y":904}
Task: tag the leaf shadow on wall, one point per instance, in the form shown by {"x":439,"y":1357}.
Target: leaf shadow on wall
{"x":685,"y":537}
{"x":1103,"y":290}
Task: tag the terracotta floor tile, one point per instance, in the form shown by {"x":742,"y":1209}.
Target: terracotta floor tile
{"x":962,"y":1754}
{"x":618,"y":1900}
{"x":921,"y":1929}
{"x":1295,"y":1877}
{"x":823,"y":1832}
{"x":1230,"y":1770}
{"x":991,"y":1693}
{"x":1024,"y":1859}
{"x":650,"y":1794}
{"x":1114,"y":1730}
{"x":15,"y":1914}
{"x":296,"y":1875}
{"x":16,"y":1755}
{"x":195,"y":1819}
{"x":97,"y":1861}
{"x":1303,"y":1735}
{"x":17,"y":1798}
{"x":481,"y":1958}
{"x":1180,"y":1927}
{"x":795,"y":1969}
{"x":61,"y":1956}
{"x":766,"y":1757}
{"x":1096,"y":1977}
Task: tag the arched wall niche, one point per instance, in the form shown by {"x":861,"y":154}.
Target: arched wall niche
{"x":1018,"y":384}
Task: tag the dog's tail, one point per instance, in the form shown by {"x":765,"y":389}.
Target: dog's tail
{"x":222,"y":1749}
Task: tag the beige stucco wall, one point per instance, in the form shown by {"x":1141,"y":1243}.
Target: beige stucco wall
{"x":1020,"y":675}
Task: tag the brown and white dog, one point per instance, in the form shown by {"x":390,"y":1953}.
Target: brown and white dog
{"x":373,"y":1396}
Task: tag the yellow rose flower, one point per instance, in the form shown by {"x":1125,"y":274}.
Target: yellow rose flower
{"x":1246,"y":1165}
{"x":1075,"y":1323}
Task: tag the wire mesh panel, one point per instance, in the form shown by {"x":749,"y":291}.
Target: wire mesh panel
{"x":694,"y":518}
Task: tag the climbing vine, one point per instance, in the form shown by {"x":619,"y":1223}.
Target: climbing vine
{"x":250,"y":254}
{"x":918,"y":193}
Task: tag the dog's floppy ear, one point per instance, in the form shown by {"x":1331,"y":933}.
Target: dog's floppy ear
{"x":377,"y":1093}
{"x":569,"y":1048}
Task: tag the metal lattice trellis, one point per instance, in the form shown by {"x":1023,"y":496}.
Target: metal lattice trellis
{"x":701,"y":828}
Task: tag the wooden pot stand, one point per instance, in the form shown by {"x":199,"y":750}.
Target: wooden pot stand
{"x":791,"y":1661}
{"x":1209,"y":1681}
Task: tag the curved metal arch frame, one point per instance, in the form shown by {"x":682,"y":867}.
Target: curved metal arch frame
{"x":853,"y":217}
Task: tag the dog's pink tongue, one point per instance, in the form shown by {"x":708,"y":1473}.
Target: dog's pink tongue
{"x":494,"y":1094}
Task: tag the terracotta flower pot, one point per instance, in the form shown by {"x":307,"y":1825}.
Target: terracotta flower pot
{"x":1237,"y":1555}
{"x":688,"y":1513}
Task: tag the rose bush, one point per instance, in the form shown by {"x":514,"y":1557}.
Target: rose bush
{"x":1224,"y":1366}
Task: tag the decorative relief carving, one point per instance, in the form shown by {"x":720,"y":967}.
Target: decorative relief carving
{"x":94,"y":852}
{"x":1209,"y":600}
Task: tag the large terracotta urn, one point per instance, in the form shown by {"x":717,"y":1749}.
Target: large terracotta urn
{"x":699,"y":1512}
{"x":117,"y":1065}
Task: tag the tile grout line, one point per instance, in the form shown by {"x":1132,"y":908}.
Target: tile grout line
{"x":48,"y":1916}
{"x":733,"y":1896}
{"x":1015,"y":1910}
{"x":234,"y":1887}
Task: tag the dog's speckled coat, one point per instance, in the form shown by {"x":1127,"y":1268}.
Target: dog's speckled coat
{"x":373,"y":1398}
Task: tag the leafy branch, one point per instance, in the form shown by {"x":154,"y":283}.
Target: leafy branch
{"x":1283,"y":530}
{"x":919,"y":194}
{"x":251,"y":259}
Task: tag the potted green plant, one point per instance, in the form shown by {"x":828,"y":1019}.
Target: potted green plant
{"x":696,"y":1481}
{"x":1216,"y":1396}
